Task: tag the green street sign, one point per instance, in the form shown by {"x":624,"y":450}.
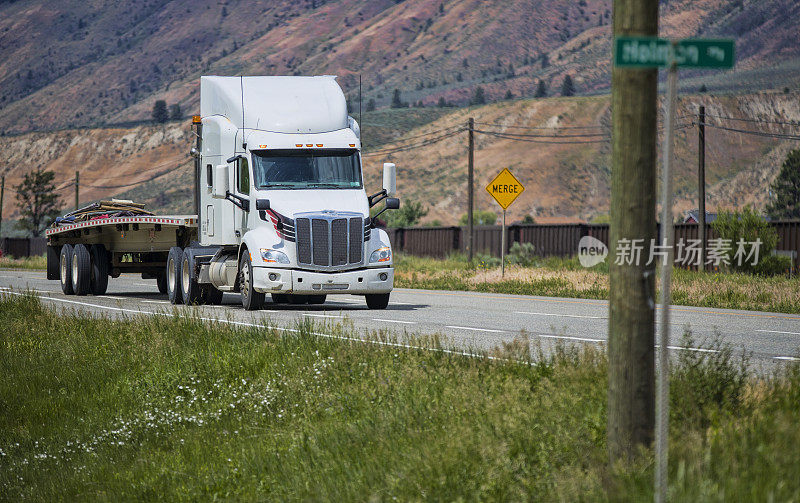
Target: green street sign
{"x":650,"y":52}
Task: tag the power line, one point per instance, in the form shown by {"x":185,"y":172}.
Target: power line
{"x":761,"y":121}
{"x":528,"y":135}
{"x":504,"y":136}
{"x":537,"y":127}
{"x":157,"y":175}
{"x":438,"y":131}
{"x":763,"y":134}
{"x":425,"y":143}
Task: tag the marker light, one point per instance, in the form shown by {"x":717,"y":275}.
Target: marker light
{"x":319,"y":145}
{"x":298,"y":144}
{"x":352,"y":144}
{"x":262,"y":146}
{"x":196,"y":119}
{"x":309,"y":144}
{"x":381,"y":255}
{"x":274,"y":256}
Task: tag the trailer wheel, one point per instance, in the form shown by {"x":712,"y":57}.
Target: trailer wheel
{"x":53,"y":263}
{"x":211,"y":295}
{"x":81,"y":269}
{"x":173,"y":275}
{"x":377,"y":300}
{"x":99,"y":280}
{"x":65,"y":269}
{"x":317,"y":299}
{"x":190,"y":288}
{"x":251,"y":299}
{"x":161,"y":281}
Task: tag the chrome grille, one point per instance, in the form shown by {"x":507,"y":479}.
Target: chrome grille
{"x":330,"y":241}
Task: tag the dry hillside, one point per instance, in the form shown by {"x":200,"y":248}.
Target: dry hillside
{"x":77,"y":64}
{"x":150,"y":163}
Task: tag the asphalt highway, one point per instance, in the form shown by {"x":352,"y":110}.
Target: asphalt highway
{"x":467,"y":320}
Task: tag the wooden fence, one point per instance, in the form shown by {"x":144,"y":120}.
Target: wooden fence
{"x":548,"y":240}
{"x":23,"y":247}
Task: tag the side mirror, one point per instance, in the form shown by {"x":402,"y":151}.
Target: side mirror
{"x":262,"y":204}
{"x":389,"y":178}
{"x":221,"y":181}
{"x":392,"y":203}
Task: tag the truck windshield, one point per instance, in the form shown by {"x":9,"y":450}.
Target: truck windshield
{"x":307,"y":169}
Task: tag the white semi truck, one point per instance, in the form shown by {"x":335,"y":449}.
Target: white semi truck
{"x":280,"y":200}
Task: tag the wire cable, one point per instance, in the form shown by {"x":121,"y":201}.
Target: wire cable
{"x":762,"y":134}
{"x":761,"y":121}
{"x":504,"y":136}
{"x":537,"y":127}
{"x":424,"y":143}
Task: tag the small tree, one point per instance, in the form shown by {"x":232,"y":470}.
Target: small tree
{"x":397,"y":101}
{"x":545,"y":61}
{"x":746,"y":225}
{"x":541,"y":90}
{"x":175,"y":112}
{"x":442,"y":102}
{"x":479,"y":97}
{"x":509,"y":95}
{"x":479,"y":217}
{"x":567,"y":88}
{"x":409,"y":214}
{"x":371,"y":105}
{"x":38,"y":202}
{"x":160,"y":114}
{"x":786,"y":189}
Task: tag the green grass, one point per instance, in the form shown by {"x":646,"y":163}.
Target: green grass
{"x":175,"y":409}
{"x":23,"y":263}
{"x":565,"y":277}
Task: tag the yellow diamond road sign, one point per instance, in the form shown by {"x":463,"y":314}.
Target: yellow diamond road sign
{"x":505,"y":188}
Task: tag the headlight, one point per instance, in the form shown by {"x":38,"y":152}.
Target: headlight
{"x":381,"y":255}
{"x":274,"y":256}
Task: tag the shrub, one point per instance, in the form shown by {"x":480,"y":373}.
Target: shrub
{"x":743,"y":228}
{"x":522,"y":254}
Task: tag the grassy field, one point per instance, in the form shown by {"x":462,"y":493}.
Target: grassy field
{"x":558,"y":277}
{"x":23,"y":263}
{"x":175,"y":409}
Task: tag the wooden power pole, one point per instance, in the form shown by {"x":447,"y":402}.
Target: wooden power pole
{"x":471,"y":188}
{"x":77,"y":185}
{"x":631,"y":365}
{"x":2,"y":193}
{"x":701,"y":187}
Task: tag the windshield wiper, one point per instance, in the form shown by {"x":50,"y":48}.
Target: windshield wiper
{"x":328,"y":184}
{"x":278,"y":184}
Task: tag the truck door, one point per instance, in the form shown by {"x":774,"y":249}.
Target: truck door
{"x":242,"y":188}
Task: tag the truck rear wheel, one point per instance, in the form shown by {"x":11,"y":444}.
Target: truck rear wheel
{"x":190,"y":288}
{"x":81,"y":269}
{"x":251,"y":299}
{"x":98,"y":283}
{"x":377,"y":300}
{"x":173,"y":275}
{"x":317,"y":299}
{"x":161,"y":281}
{"x":65,"y":269}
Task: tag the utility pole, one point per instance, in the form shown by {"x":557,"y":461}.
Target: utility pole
{"x":77,"y":184}
{"x":470,"y":183}
{"x":2,"y":193}
{"x":631,"y":326}
{"x":701,"y":187}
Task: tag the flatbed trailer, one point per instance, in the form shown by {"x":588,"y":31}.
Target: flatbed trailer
{"x":115,"y":245}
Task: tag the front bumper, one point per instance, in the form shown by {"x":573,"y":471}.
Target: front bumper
{"x":297,"y":281}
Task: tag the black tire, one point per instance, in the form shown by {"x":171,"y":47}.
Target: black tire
{"x":65,"y":269}
{"x":98,"y":284}
{"x":377,"y":300}
{"x":317,"y":299}
{"x":298,"y":299}
{"x":173,"y":275}
{"x":161,"y":281}
{"x":191,"y":290}
{"x":280,"y":298}
{"x":53,"y":262}
{"x":211,"y":295}
{"x":81,"y":269}
{"x":251,"y":299}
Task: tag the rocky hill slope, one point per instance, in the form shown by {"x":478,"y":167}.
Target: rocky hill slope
{"x":78,"y":64}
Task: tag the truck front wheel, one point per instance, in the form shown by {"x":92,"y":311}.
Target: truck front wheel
{"x":191,"y":289}
{"x":174,"y":275}
{"x":377,"y":300}
{"x":251,"y":299}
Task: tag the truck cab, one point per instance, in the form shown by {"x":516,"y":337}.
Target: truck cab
{"x":282,"y":208}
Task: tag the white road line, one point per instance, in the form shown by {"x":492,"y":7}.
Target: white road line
{"x":778,"y":332}
{"x":563,"y":315}
{"x":156,"y":301}
{"x":395,"y":321}
{"x":477,"y":329}
{"x":112,"y":297}
{"x":684,"y":348}
{"x":569,"y":338}
{"x":322,"y":315}
{"x":789,"y":358}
